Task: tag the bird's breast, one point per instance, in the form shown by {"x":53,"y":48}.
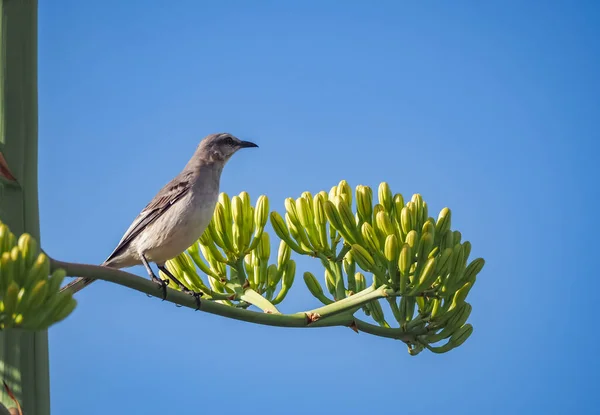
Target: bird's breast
{"x":196,"y":214}
{"x":181,"y":228}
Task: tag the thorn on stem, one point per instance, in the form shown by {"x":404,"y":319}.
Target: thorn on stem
{"x":354,"y":327}
{"x":9,"y":392}
{"x":5,"y":171}
{"x":312,"y":317}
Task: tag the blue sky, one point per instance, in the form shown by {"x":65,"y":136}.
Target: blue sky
{"x":489,"y":108}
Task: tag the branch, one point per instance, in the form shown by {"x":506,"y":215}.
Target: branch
{"x":254,"y":298}
{"x":368,"y":294}
{"x":335,"y":314}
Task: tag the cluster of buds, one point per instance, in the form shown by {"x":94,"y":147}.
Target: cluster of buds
{"x":420,"y":259}
{"x":30,"y":296}
{"x":234,"y":253}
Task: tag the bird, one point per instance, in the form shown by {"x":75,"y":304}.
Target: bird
{"x":177,"y":216}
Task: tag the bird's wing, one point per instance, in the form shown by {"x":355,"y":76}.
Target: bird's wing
{"x":164,"y":199}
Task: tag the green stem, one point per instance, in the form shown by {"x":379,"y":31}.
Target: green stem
{"x":241,"y":272}
{"x":249,"y":295}
{"x":259,"y":301}
{"x":357,"y":300}
{"x":148,"y":287}
{"x":335,"y":315}
{"x":395,"y":309}
{"x":340,"y":288}
{"x":326,"y":263}
{"x":345,"y":249}
{"x":390,"y":333}
{"x":214,"y":295}
{"x":28,"y":373}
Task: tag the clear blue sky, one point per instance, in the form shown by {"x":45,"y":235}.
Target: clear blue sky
{"x":491,"y":109}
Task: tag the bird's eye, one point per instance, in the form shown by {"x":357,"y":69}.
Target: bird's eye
{"x":229,"y":141}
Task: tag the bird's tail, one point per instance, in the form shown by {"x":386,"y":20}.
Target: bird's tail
{"x":80,"y":283}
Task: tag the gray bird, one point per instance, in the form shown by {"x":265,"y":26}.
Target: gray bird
{"x":177,"y":216}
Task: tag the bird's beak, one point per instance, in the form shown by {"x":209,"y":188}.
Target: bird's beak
{"x":247,"y":144}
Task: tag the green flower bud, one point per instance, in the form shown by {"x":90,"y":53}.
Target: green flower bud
{"x":363,"y":258}
{"x":330,"y":282}
{"x":428,"y":227}
{"x":29,"y":248}
{"x":226,"y":203}
{"x":414,"y":215}
{"x":461,"y":335}
{"x":364,"y":202}
{"x":443,"y":221}
{"x":223,"y":227}
{"x":427,"y":277}
{"x":384,"y":224}
{"x":345,"y":191}
{"x":411,"y":239}
{"x":392,"y":249}
{"x":333,"y":192}
{"x":304,"y":212}
{"x":444,"y":262}
{"x":458,"y":265}
{"x":273,"y":276}
{"x":425,"y":246}
{"x":385,"y":197}
{"x":404,"y":263}
{"x":290,"y":208}
{"x":368,"y":234}
{"x":473,"y":269}
{"x":347,"y":217}
{"x":457,"y":237}
{"x":466,"y":249}
{"x":406,"y":220}
{"x":446,"y":239}
{"x":283,"y":232}
{"x":377,"y":313}
{"x":461,"y":295}
{"x":286,"y":282}
{"x":261,"y":213}
{"x":361,"y":282}
{"x":336,"y":221}
{"x":315,"y":288}
{"x":264,"y":247}
{"x":237,"y":209}
{"x":425,"y":213}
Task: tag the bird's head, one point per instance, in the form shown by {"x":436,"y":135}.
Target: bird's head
{"x":221,"y":146}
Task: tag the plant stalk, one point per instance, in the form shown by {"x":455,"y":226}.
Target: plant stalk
{"x":254,"y":298}
{"x":332,"y":315}
{"x":23,"y":359}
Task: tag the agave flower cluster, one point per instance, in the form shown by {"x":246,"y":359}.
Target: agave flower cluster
{"x":390,"y":251}
{"x":30,"y":296}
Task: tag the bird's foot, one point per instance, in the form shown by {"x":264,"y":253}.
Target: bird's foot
{"x":194,"y":294}
{"x":182,"y":287}
{"x":163,"y":286}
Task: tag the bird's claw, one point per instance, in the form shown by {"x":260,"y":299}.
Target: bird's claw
{"x":194,"y":294}
{"x":197,"y":296}
{"x":163,"y":286}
